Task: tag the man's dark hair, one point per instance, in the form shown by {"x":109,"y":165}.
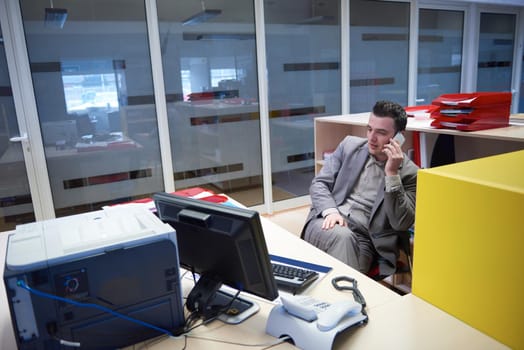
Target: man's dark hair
{"x":392,"y":110}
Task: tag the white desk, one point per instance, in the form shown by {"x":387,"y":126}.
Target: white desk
{"x":411,"y":323}
{"x":329,"y":131}
{"x":394,"y":321}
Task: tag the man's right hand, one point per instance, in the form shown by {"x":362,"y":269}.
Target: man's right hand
{"x":332,"y":219}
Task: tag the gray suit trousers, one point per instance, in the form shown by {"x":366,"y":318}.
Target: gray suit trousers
{"x":348,"y":245}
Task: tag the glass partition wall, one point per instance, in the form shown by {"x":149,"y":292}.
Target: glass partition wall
{"x":439,"y":53}
{"x":91,"y":74}
{"x":521,"y":89}
{"x":95,"y":89}
{"x":495,"y":55}
{"x":15,"y":196}
{"x":210,"y":75}
{"x":304,"y":82}
{"x":379,"y":53}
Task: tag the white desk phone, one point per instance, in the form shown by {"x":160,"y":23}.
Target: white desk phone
{"x":313,"y":324}
{"x":326,"y":315}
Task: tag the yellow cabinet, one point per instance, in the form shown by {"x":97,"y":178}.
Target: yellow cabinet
{"x":469,"y":243}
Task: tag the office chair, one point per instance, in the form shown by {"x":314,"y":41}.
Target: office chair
{"x":404,"y":246}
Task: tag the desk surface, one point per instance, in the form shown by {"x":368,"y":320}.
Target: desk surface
{"x":412,"y":323}
{"x":509,"y":133}
{"x":394,"y":321}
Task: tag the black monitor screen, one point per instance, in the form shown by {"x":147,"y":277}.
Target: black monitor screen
{"x":222,"y":243}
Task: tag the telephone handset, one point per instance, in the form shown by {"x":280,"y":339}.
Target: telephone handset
{"x":399,"y":138}
{"x":326,"y":315}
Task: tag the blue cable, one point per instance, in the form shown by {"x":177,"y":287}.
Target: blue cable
{"x":23,"y":285}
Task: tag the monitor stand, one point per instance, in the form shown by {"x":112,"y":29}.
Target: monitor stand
{"x":209,"y":301}
{"x":240,"y":310}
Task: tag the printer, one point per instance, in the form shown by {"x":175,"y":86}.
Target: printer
{"x":104,"y":279}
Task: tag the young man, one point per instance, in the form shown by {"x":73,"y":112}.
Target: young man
{"x":364,"y":195}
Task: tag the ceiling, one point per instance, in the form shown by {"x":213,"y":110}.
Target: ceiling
{"x":233,"y":11}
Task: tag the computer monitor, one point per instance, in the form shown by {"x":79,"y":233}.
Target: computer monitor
{"x":221,"y":243}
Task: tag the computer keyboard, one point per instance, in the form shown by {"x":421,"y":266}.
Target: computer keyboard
{"x":292,"y":278}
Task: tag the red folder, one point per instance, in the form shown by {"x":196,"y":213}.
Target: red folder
{"x":472,"y":111}
{"x":194,"y":191}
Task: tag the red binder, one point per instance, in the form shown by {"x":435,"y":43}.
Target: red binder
{"x":472,"y":111}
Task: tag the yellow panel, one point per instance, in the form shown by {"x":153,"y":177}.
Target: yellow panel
{"x":503,"y":171}
{"x":469,"y":246}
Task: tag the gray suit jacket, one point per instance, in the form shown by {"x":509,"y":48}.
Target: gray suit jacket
{"x":392,"y":213}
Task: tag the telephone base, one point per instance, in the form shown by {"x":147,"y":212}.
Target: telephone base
{"x":304,"y":334}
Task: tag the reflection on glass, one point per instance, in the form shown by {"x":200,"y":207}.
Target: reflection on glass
{"x":496,"y":43}
{"x":439,"y":53}
{"x":210,"y":76}
{"x":379,"y":50}
{"x":84,"y":91}
{"x":92,"y":82}
{"x":521,"y":91}
{"x":303,"y":60}
{"x":15,"y":198}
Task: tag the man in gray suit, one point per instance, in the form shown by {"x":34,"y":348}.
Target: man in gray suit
{"x":364,"y":195}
